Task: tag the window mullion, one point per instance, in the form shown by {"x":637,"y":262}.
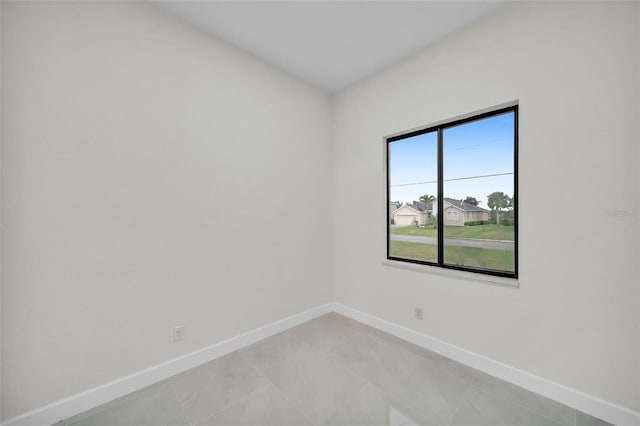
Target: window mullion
{"x":440,"y":201}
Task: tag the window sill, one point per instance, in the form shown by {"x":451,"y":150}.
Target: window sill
{"x":452,"y":273}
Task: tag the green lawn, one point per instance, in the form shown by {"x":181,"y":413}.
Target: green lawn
{"x":502,"y":260}
{"x":415,"y":251}
{"x":485,"y":232}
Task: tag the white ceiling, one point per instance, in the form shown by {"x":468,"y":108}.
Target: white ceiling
{"x":330,"y":44}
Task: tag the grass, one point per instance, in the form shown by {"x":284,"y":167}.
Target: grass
{"x":502,"y":260}
{"x":415,"y":251}
{"x":484,"y":232}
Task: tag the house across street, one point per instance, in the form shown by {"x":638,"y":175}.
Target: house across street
{"x":456,"y":213}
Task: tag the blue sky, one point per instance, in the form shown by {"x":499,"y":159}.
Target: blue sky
{"x":476,"y":148}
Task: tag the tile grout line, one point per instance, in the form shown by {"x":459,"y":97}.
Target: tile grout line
{"x":232,"y":403}
{"x":334,"y":358}
{"x":228,"y":405}
{"x":522,"y":405}
{"x":462,"y":400}
{"x":464,"y":394}
{"x":175,"y":393}
{"x":431,"y":416}
{"x":140,"y":394}
{"x":276,"y":388}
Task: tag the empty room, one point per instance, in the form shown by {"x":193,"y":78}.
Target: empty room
{"x":175,"y":178}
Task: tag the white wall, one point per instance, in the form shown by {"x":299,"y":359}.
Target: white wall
{"x":574,"y":69}
{"x":148,"y":175}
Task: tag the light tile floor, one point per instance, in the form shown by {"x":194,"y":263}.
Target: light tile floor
{"x":333,"y":371}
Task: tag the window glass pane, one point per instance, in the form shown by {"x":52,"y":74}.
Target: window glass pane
{"x":413,"y":185}
{"x":478,"y":174}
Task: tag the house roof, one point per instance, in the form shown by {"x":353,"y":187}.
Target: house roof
{"x":406,"y":206}
{"x":464,"y":206}
{"x":422,"y":206}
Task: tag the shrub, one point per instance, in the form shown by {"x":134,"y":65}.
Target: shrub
{"x":476,"y":222}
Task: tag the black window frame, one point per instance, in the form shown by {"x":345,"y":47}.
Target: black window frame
{"x":439,"y":128}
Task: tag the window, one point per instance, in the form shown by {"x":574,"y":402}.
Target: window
{"x":463,"y":177}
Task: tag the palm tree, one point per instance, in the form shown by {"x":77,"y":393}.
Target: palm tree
{"x":498,"y":201}
{"x":426,"y":198}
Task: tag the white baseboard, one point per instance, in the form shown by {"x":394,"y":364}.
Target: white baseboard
{"x":91,"y":398}
{"x":589,"y":404}
{"x":52,"y":413}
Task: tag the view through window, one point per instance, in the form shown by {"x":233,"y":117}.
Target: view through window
{"x":452,"y":194}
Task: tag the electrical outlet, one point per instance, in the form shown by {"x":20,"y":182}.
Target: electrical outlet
{"x":417,"y":312}
{"x":178,"y":333}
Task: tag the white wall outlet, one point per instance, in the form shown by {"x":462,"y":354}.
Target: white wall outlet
{"x":417,"y":312}
{"x":178,"y":333}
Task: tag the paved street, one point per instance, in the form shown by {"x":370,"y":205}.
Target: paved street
{"x":460,"y":242}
